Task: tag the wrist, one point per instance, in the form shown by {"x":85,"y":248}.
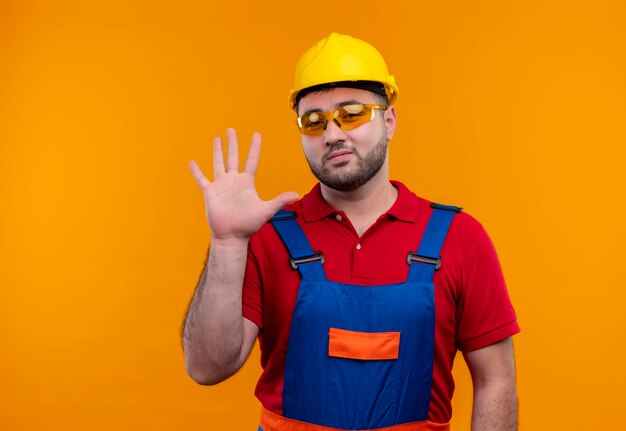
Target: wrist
{"x":230,"y":243}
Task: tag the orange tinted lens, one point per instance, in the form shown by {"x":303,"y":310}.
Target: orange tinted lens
{"x":313,"y":123}
{"x":352,"y":116}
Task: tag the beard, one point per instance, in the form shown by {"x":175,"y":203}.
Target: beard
{"x":367,"y":167}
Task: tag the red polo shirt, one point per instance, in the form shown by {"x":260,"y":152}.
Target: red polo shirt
{"x":472,"y":306}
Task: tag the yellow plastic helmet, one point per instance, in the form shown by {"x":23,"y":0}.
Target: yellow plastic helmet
{"x":339,"y":58}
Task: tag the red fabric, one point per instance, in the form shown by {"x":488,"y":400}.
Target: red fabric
{"x":472,"y":306}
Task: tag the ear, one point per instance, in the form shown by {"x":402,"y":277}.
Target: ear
{"x":390,"y":121}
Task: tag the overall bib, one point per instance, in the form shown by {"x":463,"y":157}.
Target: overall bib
{"x":360,"y":357}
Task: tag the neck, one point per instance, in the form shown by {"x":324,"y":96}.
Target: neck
{"x":366,"y":204}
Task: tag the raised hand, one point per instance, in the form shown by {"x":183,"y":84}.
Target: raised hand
{"x":233,"y":207}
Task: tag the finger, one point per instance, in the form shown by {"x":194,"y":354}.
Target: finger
{"x":218,"y":158}
{"x":281,"y":200}
{"x":198,"y":175}
{"x":252,"y":161}
{"x":232,"y":165}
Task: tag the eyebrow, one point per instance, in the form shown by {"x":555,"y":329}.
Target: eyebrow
{"x":338,"y":105}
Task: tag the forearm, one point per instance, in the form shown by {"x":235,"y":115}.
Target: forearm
{"x":213,"y":331}
{"x":495,"y":407}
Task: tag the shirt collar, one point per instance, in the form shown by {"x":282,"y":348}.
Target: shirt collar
{"x":315,"y":208}
{"x":406,"y":205}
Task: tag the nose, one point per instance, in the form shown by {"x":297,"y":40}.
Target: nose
{"x":333,"y":133}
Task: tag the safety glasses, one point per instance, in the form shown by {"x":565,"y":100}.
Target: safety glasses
{"x":346,"y":117}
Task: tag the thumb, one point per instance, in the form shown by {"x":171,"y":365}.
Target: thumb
{"x":281,"y":200}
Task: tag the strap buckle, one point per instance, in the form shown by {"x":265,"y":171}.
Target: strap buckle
{"x":446,"y":207}
{"x":283,"y":215}
{"x":414,"y":257}
{"x":307,"y":259}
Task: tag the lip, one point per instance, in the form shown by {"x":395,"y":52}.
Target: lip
{"x":338,"y":155}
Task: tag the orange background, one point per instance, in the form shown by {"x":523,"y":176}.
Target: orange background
{"x":514,"y":110}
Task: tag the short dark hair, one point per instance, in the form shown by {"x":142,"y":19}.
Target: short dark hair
{"x":375,"y":87}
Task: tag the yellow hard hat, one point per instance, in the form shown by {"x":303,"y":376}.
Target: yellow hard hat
{"x":339,"y":58}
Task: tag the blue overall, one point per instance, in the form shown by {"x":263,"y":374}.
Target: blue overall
{"x":358,"y":394}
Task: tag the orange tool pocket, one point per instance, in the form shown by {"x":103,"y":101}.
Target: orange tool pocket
{"x":363,"y":345}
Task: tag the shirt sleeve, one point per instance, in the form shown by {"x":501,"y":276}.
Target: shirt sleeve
{"x":485,"y":314}
{"x":252,"y":296}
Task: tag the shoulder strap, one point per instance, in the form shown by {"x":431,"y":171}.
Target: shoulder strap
{"x":303,"y":258}
{"x":427,"y":260}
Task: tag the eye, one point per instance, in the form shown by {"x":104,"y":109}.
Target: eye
{"x":311,"y":124}
{"x":313,"y":120}
{"x":352,"y":112}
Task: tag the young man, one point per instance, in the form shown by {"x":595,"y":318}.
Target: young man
{"x":361,"y":292}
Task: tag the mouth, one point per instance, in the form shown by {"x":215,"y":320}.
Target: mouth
{"x":338,"y":155}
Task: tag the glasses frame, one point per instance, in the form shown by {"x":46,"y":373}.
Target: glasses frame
{"x":333,"y":116}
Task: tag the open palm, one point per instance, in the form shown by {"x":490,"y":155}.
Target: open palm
{"x":233,"y":207}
